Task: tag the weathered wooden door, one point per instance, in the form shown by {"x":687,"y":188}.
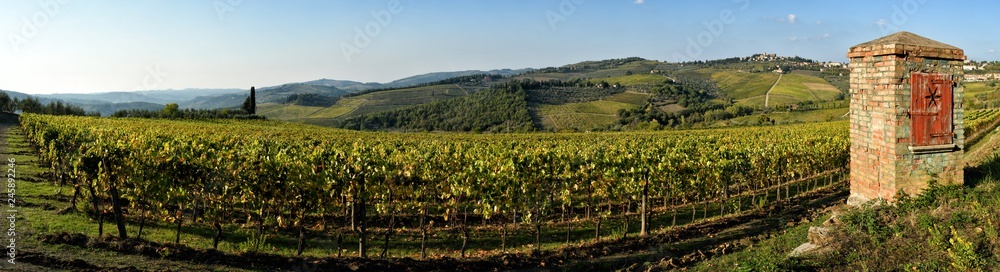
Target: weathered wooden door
{"x":930,"y":109}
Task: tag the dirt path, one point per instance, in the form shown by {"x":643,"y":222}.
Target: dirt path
{"x":767,"y":97}
{"x":463,"y":89}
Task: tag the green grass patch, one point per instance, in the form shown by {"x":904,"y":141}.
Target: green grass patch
{"x":285,"y":111}
{"x":806,"y":72}
{"x":631,"y":80}
{"x":792,"y":117}
{"x":974,"y":88}
{"x":740,"y":85}
{"x":582,"y":116}
{"x":332,"y":112}
{"x":757,"y":101}
{"x":629,"y":98}
{"x":804,"y":88}
{"x":704,"y":74}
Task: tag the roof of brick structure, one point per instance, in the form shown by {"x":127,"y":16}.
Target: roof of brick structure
{"x":908,"y":44}
{"x":907,"y":38}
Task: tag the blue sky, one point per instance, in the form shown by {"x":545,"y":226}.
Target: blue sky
{"x":92,"y":46}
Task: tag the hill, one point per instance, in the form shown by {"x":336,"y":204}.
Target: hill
{"x":107,"y":109}
{"x":593,"y":95}
{"x":498,"y":110}
{"x":588,"y":95}
{"x":275,"y":94}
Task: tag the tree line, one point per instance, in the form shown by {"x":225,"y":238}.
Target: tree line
{"x":494,"y":110}
{"x":173,"y":111}
{"x":32,"y":105}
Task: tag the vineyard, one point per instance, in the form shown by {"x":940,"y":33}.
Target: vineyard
{"x":978,"y":123}
{"x":271,"y":177}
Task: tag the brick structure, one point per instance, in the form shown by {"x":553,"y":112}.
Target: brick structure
{"x":906,"y":116}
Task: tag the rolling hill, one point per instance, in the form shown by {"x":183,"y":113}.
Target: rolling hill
{"x":583,"y":96}
{"x":590,"y":95}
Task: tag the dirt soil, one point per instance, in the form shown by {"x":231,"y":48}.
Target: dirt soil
{"x":676,"y":248}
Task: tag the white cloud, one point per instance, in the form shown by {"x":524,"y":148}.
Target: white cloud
{"x":992,"y":51}
{"x":640,"y":2}
{"x":792,"y":18}
{"x":826,"y":35}
{"x":881,"y":22}
{"x":818,"y":22}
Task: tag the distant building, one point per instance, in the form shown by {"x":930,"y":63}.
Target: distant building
{"x":981,"y":77}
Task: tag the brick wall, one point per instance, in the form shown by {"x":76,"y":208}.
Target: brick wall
{"x":882,"y":163}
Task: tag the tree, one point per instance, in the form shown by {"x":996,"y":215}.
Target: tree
{"x":250,"y":105}
{"x":170,"y":110}
{"x":5,"y":103}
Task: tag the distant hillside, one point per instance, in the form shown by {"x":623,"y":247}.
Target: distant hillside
{"x":106,"y":98}
{"x":345,"y":84}
{"x":432,"y":77}
{"x":372,"y":102}
{"x":276,"y":94}
{"x":497,"y":110}
{"x":613,"y":94}
{"x":22,"y":96}
{"x":177,"y":96}
{"x":310,"y":99}
{"x":150,"y":96}
{"x":110,"y":108}
{"x":410,"y":81}
{"x":635,"y":93}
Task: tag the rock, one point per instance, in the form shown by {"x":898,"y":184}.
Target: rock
{"x":820,"y":236}
{"x":833,"y":221}
{"x":803,"y":249}
{"x":856,"y":200}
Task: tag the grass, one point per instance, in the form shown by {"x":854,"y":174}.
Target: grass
{"x":767,"y":255}
{"x":757,"y":101}
{"x":979,"y":95}
{"x":807,"y":72}
{"x":412,"y":96}
{"x":631,"y":80}
{"x":583,"y":116}
{"x":704,"y":74}
{"x":804,"y":88}
{"x":793,"y":117}
{"x":362,"y":104}
{"x":945,"y":228}
{"x":629,"y":98}
{"x":740,"y":85}
{"x":332,"y":111}
{"x":285,"y":111}
{"x":974,"y":88}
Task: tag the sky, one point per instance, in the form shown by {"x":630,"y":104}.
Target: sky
{"x":82,"y":46}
